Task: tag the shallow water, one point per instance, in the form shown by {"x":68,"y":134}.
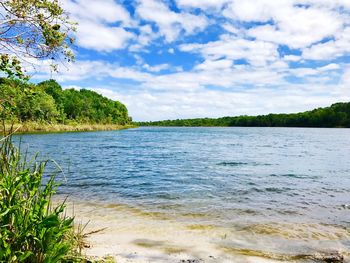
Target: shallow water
{"x":269,"y":192}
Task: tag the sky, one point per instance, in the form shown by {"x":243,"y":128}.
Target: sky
{"x":170,"y":59}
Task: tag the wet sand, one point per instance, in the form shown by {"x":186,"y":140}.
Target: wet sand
{"x":130,"y":234}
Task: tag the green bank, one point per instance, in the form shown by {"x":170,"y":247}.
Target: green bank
{"x":46,"y":107}
{"x":336,"y":115}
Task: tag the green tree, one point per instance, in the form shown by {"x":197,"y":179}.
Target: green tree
{"x":337,"y":115}
{"x":32,"y":28}
{"x":54,"y":89}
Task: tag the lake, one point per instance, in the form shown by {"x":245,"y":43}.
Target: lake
{"x":272,"y":193}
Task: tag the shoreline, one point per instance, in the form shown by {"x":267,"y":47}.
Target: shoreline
{"x":283,"y":127}
{"x":128,"y":234}
{"x":38,"y":128}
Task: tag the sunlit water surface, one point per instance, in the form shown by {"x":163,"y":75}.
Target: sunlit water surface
{"x":270,"y":192}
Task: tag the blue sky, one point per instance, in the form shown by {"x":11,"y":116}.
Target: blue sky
{"x":168,"y":59}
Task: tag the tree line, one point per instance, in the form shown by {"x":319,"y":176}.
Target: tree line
{"x":337,"y":115}
{"x":47,"y":101}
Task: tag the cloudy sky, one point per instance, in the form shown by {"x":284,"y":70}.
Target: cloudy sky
{"x":168,"y":59}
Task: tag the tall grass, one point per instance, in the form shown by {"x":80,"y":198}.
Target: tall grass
{"x":32,"y":228}
{"x":33,"y":127}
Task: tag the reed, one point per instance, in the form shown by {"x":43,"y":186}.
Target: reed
{"x":45,"y":127}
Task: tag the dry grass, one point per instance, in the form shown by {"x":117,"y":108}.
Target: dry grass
{"x":37,"y":127}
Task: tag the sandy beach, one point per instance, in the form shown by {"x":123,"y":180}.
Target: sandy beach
{"x":131,"y":235}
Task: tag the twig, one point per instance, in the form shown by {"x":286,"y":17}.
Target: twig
{"x":10,"y":134}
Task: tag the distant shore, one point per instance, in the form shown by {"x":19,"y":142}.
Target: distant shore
{"x":37,"y":127}
{"x":335,"y":116}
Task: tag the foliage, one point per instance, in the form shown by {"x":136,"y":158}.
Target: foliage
{"x":36,"y":29}
{"x":47,"y":101}
{"x":337,"y":115}
{"x":32,"y":229}
{"x":11,"y":66}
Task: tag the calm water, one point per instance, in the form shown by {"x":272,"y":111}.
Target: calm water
{"x":282,"y":189}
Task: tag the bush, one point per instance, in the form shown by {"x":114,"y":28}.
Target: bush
{"x":32,"y":229}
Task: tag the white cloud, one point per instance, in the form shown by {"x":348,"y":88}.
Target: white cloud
{"x":156,"y":68}
{"x":145,"y":37}
{"x":315,"y":72}
{"x":170,"y":23}
{"x":209,"y":65}
{"x":257,"y":53}
{"x":288,"y":23}
{"x":96,"y":24}
{"x":203,"y":4}
{"x":344,"y":86}
{"x":298,"y":27}
{"x":250,"y":10}
{"x":292,"y":58}
{"x":231,"y":29}
{"x":327,"y":3}
{"x":103,"y":38}
{"x":72,"y":72}
{"x":346,"y":78}
{"x":331,"y":49}
{"x":328,"y":67}
{"x":100,"y":11}
{"x":210,"y":73}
